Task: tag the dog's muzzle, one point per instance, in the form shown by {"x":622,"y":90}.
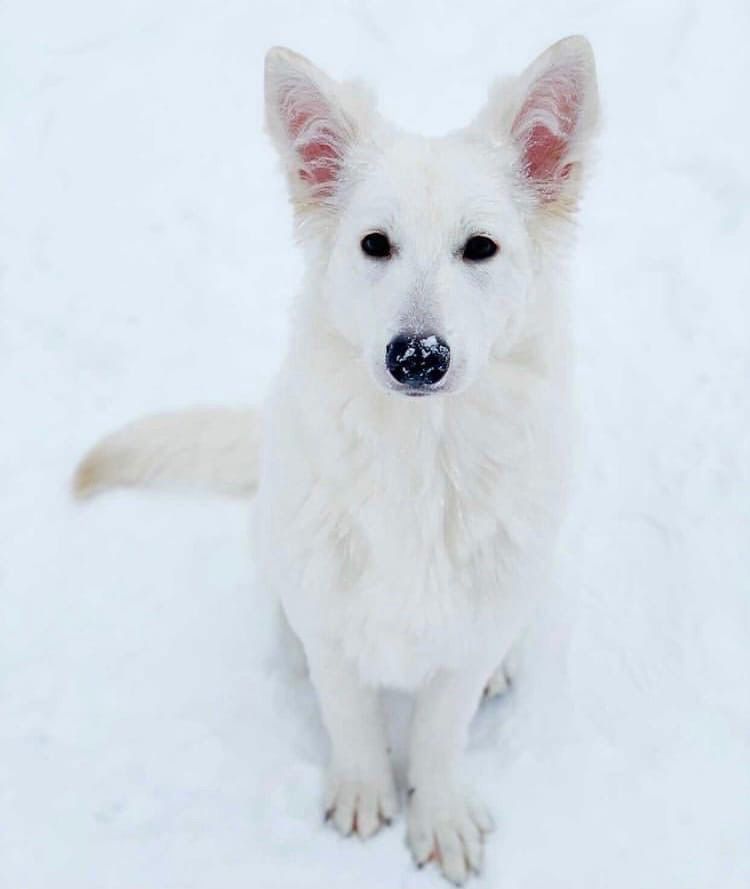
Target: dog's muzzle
{"x":418,"y":361}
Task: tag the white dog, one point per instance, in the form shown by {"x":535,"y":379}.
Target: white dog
{"x":411,"y":472}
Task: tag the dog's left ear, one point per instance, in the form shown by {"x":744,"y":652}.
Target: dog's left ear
{"x":549,"y":114}
{"x":314,"y":123}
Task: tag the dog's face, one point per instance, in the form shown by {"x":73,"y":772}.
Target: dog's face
{"x":428,"y":247}
{"x":429,"y":264}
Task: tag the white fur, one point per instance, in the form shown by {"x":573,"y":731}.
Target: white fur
{"x":215,"y":449}
{"x":408,"y":539}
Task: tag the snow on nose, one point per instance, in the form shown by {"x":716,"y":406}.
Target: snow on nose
{"x":417,"y":360}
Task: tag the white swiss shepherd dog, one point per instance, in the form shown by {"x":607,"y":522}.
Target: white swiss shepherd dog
{"x":410,"y":461}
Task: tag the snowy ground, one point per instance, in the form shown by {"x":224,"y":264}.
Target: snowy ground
{"x":148,"y":741}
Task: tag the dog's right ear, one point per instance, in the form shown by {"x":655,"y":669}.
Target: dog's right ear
{"x":314,"y":123}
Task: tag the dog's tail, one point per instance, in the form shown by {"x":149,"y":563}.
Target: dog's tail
{"x":212,"y":449}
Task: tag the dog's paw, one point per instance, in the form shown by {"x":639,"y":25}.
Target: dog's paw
{"x":360,"y":805}
{"x":447,"y":826}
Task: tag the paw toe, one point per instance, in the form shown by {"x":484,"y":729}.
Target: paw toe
{"x":451,"y":854}
{"x":367,"y":817}
{"x":480,"y":816}
{"x":359,"y":806}
{"x":450,"y":829}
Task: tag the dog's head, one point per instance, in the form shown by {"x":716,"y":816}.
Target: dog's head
{"x":427,"y":248}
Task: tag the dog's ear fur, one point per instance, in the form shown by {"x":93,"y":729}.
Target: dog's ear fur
{"x":549,"y":114}
{"x":314,"y":123}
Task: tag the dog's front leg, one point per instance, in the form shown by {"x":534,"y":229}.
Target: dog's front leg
{"x":360,"y":793}
{"x":444,"y":821}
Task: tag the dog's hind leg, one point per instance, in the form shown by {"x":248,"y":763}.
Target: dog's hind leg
{"x":499,"y":683}
{"x":502,"y":679}
{"x":289,"y":653}
{"x":360,"y":794}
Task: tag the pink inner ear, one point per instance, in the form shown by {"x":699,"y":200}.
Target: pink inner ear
{"x":544,"y":152}
{"x":544,"y":126}
{"x":319,"y":156}
{"x":320,"y":161}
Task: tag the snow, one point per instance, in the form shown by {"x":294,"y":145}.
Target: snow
{"x":149,"y":737}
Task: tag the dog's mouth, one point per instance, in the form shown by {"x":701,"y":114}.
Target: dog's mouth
{"x":417,"y":391}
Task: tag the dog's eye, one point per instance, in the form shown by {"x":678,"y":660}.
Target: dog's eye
{"x":376,"y":244}
{"x":479,"y":247}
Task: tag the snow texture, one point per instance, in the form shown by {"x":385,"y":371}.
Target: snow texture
{"x":149,"y":736}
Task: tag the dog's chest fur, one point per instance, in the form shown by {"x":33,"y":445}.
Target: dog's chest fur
{"x":409,"y":532}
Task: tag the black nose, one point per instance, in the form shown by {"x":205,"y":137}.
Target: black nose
{"x":418,"y":359}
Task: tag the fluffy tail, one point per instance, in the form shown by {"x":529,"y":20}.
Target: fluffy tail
{"x":212,"y":449}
